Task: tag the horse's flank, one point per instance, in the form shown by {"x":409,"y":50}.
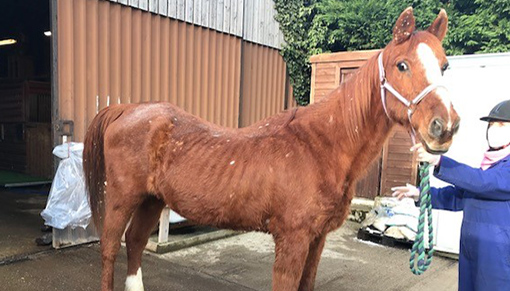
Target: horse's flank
{"x":297,"y":166}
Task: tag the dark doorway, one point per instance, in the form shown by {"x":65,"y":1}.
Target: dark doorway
{"x":25,"y":124}
{"x":25,"y":92}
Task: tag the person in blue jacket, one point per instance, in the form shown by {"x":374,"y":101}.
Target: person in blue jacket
{"x":484,"y":196}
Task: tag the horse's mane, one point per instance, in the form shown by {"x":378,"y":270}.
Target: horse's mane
{"x":350,"y":104}
{"x":353,"y":98}
{"x":271,"y":125}
{"x":356,"y":99}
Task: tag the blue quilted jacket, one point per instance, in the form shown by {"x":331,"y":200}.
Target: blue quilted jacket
{"x":484,"y":196}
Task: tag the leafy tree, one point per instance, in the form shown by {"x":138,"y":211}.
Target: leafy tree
{"x":295,"y":20}
{"x":344,"y":25}
{"x":479,"y":26}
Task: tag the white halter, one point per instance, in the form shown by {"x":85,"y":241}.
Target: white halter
{"x":411,"y":105}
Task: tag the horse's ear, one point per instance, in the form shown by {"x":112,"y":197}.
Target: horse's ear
{"x":405,"y":26}
{"x":440,"y":25}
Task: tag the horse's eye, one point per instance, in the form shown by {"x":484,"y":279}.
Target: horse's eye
{"x":445,"y":67}
{"x":402,"y":66}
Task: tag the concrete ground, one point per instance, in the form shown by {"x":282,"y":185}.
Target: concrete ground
{"x":241,"y":262}
{"x":20,"y":221}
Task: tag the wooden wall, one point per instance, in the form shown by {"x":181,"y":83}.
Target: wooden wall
{"x":25,"y":127}
{"x":396,"y":166}
{"x":399,"y":164}
{"x":12,"y":106}
{"x":329,"y":70}
{"x":38,"y":149}
{"x":13,"y":156}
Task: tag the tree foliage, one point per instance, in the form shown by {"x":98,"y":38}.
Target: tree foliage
{"x":295,"y":21}
{"x":319,"y":26}
{"x":479,"y":26}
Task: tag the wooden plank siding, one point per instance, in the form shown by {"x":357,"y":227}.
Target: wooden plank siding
{"x":12,"y":108}
{"x":252,"y":20}
{"x":397,"y":164}
{"x":13,"y":156}
{"x":27,"y":101}
{"x":25,"y":127}
{"x":38,"y":149}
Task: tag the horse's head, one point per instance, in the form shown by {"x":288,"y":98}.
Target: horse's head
{"x":411,"y":68}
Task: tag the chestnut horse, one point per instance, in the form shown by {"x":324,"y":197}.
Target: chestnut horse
{"x":291,"y":175}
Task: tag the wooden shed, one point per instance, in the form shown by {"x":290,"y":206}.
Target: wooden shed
{"x":396,"y":165}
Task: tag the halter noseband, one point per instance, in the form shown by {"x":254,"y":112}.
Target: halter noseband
{"x":411,"y":105}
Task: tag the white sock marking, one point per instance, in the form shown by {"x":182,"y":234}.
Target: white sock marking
{"x":134,"y":282}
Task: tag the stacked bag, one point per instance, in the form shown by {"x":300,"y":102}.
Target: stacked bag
{"x":393,"y":218}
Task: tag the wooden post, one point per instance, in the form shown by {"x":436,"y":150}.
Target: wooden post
{"x":312,"y":82}
{"x":164,"y":224}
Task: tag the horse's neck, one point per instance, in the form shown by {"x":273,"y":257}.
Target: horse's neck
{"x":352,"y":133}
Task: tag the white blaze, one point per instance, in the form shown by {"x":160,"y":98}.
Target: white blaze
{"x":134,"y":282}
{"x":433,"y":74}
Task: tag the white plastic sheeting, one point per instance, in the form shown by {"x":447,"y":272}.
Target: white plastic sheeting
{"x":68,"y":204}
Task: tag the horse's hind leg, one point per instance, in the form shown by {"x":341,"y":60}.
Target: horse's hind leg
{"x":291,"y":253}
{"x":312,"y":262}
{"x":145,"y":218}
{"x":119,"y":207}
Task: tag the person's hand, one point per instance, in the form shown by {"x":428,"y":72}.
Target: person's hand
{"x":405,"y":191}
{"x":424,"y":156}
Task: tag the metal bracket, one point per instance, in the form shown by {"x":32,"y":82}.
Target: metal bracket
{"x":65,"y":127}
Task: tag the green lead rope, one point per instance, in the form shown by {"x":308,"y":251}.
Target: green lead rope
{"x":420,"y":256}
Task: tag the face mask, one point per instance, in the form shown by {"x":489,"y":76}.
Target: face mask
{"x":498,"y":136}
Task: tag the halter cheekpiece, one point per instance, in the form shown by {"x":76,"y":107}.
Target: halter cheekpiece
{"x":411,"y":105}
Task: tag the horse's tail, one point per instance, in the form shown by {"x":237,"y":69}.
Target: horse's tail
{"x":93,"y":161}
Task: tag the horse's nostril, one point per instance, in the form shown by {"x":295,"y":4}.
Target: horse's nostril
{"x":456,"y":127}
{"x":436,"y":128}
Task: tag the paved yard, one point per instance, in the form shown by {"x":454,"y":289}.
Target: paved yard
{"x":241,"y":262}
{"x":20,"y":221}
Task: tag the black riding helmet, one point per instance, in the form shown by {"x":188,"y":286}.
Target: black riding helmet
{"x":500,"y":112}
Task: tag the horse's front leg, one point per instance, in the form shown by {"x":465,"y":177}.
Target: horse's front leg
{"x":312,"y":263}
{"x":291,"y":252}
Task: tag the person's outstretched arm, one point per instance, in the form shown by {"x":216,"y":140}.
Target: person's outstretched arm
{"x":446,"y":198}
{"x":493,"y":184}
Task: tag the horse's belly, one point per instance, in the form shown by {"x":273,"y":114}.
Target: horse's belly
{"x":218,"y":212}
